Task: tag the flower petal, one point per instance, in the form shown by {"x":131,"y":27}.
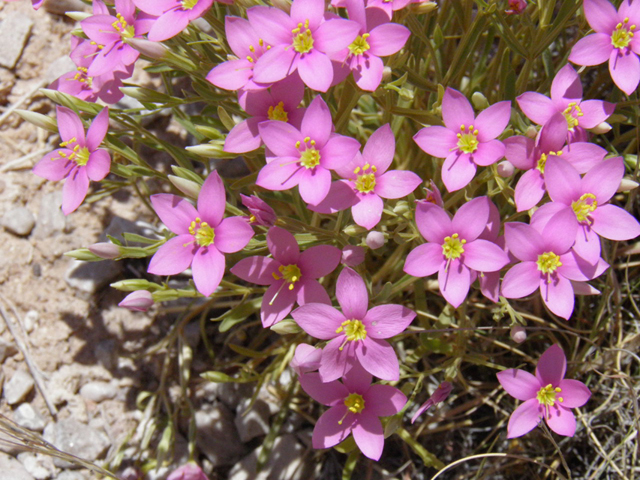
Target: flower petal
{"x":471,"y":218}
{"x":256,"y":269}
{"x":592,"y":50}
{"x":603,"y":180}
{"x":492,"y":121}
{"x":311,"y":291}
{"x":232,"y":235}
{"x":523,"y":241}
{"x":387,"y":39}
{"x":315,"y":70}
{"x":454,"y":282}
{"x":488,"y":153}
{"x":424,"y":260}
{"x":484,"y":256}
{"x":380,"y":148}
{"x":316,"y":122}
{"x":519,"y":384}
{"x":625,"y":70}
{"x":208,"y":269}
{"x":384,"y":400}
{"x":352,"y":294}
{"x":74,"y":190}
{"x":614,"y":223}
{"x":396,"y":184}
{"x":456,"y":110}
{"x":386,"y":321}
{"x":562,"y":421}
{"x":524,"y":418}
{"x":173,"y":257}
{"x":69,"y":125}
{"x":601,"y":15}
{"x":529,"y":190}
{"x":212,"y":200}
{"x":558,"y":295}
{"x":369,"y":435}
{"x":457,"y":171}
{"x":336,"y":359}
{"x":551,"y":366}
{"x":332,"y":427}
{"x":574,"y":393}
{"x":318,"y":261}
{"x":98,"y":165}
{"x":521,"y":280}
{"x":175,"y":212}
{"x":98,"y":129}
{"x":537,"y":107}
{"x":283,"y":246}
{"x":436,"y":141}
{"x":53,"y":167}
{"x":378,"y":358}
{"x":277,"y":302}
{"x":368,"y":211}
{"x":433,"y":222}
{"x":330,"y":393}
{"x":319,"y":320}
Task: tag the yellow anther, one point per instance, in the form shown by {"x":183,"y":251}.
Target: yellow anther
{"x":582,"y":207}
{"x":548,"y":263}
{"x":278,"y":113}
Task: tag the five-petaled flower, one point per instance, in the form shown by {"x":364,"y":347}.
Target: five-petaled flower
{"x":546,"y":395}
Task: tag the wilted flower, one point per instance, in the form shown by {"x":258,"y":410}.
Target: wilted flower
{"x":260,"y":211}
{"x":440,"y":395}
{"x":306,"y":359}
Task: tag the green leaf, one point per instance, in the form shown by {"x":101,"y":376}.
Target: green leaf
{"x":429,"y":459}
{"x":219,"y":377}
{"x":238,"y":314}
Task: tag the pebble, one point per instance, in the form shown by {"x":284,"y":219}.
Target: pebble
{"x":19,"y":221}
{"x":216,"y":435}
{"x":76,"y":438}
{"x":12,"y":469}
{"x":30,"y":320}
{"x":18,"y":387}
{"x":254,"y":422}
{"x":14,"y":33}
{"x":284,"y":462}
{"x":51,"y":221}
{"x":7,"y":349}
{"x":27,"y":417}
{"x":91,"y":276}
{"x":68,"y":475}
{"x":99,"y":391}
{"x":39,"y":466}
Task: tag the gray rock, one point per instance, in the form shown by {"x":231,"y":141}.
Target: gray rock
{"x":19,"y":221}
{"x":231,"y":394}
{"x":7,"y":349}
{"x":18,"y":387}
{"x":60,"y":7}
{"x":254,"y":422}
{"x":119,"y":225}
{"x":285,"y":461}
{"x":99,"y":391}
{"x":7,"y":81}
{"x":91,"y":276}
{"x":27,"y":417}
{"x":51,"y":221}
{"x":59,"y":67}
{"x":39,"y":466}
{"x":76,"y":438}
{"x":216,"y":435}
{"x":12,"y":469}
{"x":14,"y":33}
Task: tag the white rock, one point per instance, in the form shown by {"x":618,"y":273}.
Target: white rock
{"x":39,"y":466}
{"x":27,"y":417}
{"x":19,"y":221}
{"x":7,"y":349}
{"x":14,"y":32}
{"x":99,"y":391}
{"x":76,"y":438}
{"x":91,"y":276}
{"x":12,"y":469}
{"x":18,"y":387}
{"x":30,"y":320}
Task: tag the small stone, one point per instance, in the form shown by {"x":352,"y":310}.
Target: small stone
{"x":51,"y":221}
{"x":99,"y":391}
{"x":69,"y":475}
{"x":14,"y":32}
{"x":30,"y":320}
{"x":18,"y":387}
{"x":12,"y":469}
{"x":27,"y":417}
{"x":7,"y":349}
{"x":254,"y":422}
{"x":39,"y":466}
{"x":216,"y":435}
{"x":76,"y":438}
{"x":19,"y":221}
{"x":60,"y":7}
{"x":59,"y":67}
{"x":285,"y":461}
{"x":91,"y":276}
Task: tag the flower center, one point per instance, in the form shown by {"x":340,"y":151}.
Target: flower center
{"x":202,"y":232}
{"x":189,"y":4}
{"x":123,"y":28}
{"x":290,"y":273}
{"x":354,"y":330}
{"x":354,"y":402}
{"x":79,"y":154}
{"x":547,"y":397}
{"x":366,"y":181}
{"x":548,"y":263}
{"x":82,"y":77}
{"x":468,"y":139}
{"x":359,"y":45}
{"x":542,"y":161}
{"x":571,"y":114}
{"x":302,"y":38}
{"x":262,"y":48}
{"x":622,"y":35}
{"x":582,"y":207}
{"x":278,"y":113}
{"x":310,"y":157}
{"x":452,"y":247}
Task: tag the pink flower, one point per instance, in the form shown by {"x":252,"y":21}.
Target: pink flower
{"x":279,"y":103}
{"x":389,"y":6}
{"x":138,"y":301}
{"x":614,"y":40}
{"x":453,"y":248}
{"x":306,"y":359}
{"x":377,"y":38}
{"x":291,"y":275}
{"x":547,"y":263}
{"x":356,"y":406}
{"x":305,"y":156}
{"x":261,"y":212}
{"x":440,"y":395}
{"x":566,"y":98}
{"x":368,"y":181}
{"x":248,"y":47}
{"x":546,"y":395}
{"x":516,"y":7}
{"x":110,"y":34}
{"x":173,"y":15}
{"x":465,"y":141}
{"x":530,"y":155}
{"x":300,"y":42}
{"x":203,"y":236}
{"x":79,"y":160}
{"x":357,"y":333}
{"x":190,"y":471}
{"x":587,"y":199}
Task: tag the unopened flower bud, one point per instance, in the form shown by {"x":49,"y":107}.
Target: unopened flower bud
{"x":531,"y":132}
{"x":601,"y":128}
{"x":516,"y":7}
{"x":518,"y":334}
{"x":401,"y":207}
{"x":479,"y":101}
{"x":261,"y":212}
{"x":190,"y":471}
{"x":286,"y":327}
{"x":105,"y":250}
{"x":138,"y":301}
{"x":375,"y":240}
{"x":440,"y":395}
{"x":386,"y":74}
{"x":352,"y":255}
{"x":306,"y":359}
{"x":148,"y":48}
{"x":189,"y":188}
{"x":626,"y":185}
{"x":423,"y":6}
{"x":354,"y":230}
{"x":505,"y":169}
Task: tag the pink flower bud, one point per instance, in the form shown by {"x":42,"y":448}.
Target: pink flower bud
{"x":518,"y":334}
{"x":306,"y":359}
{"x":516,"y":7}
{"x":375,"y":240}
{"x":105,"y":250}
{"x":440,"y":395}
{"x":261,"y":212}
{"x":138,"y":301}
{"x":352,"y":255}
{"x":190,"y":471}
{"x":505,"y":169}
